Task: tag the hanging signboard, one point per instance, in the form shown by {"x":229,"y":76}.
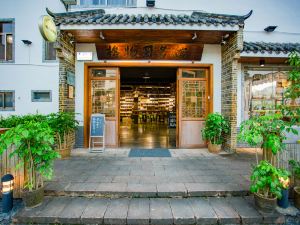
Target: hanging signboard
{"x":84,"y":56}
{"x":48,"y":28}
{"x":156,"y":51}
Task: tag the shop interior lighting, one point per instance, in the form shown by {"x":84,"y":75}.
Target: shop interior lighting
{"x":262,"y":62}
{"x":194,"y":36}
{"x":101,"y":35}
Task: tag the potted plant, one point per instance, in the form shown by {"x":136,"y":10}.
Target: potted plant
{"x":63,"y":124}
{"x":33,"y":143}
{"x":284,"y":201}
{"x":216,"y":127}
{"x":266,"y":185}
{"x":295,"y":167}
{"x":267,"y":132}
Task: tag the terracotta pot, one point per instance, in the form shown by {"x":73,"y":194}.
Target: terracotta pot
{"x":65,"y":153}
{"x":214,"y":148}
{"x":267,"y":205}
{"x":33,"y":198}
{"x":297,"y":196}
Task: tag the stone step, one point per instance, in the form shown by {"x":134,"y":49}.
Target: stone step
{"x":143,"y":211}
{"x":132,"y":190}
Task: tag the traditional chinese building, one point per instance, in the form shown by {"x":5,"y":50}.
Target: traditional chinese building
{"x":155,"y":71}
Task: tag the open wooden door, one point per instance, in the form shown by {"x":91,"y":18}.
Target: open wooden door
{"x":104,"y":86}
{"x":192,"y":106}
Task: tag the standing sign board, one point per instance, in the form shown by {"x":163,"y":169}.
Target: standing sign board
{"x":97,"y":132}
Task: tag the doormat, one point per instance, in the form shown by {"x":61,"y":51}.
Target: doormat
{"x":155,"y":152}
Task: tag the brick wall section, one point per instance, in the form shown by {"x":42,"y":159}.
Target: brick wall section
{"x":66,"y":56}
{"x":230,"y":56}
{"x":65,"y":50}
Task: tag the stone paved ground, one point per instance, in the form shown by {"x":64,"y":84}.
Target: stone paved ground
{"x":187,"y":173}
{"x":5,"y":218}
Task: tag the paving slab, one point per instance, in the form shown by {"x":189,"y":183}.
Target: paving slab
{"x":94,"y":212}
{"x":248,"y":214}
{"x":52,"y":210}
{"x":139,"y":212}
{"x":203,"y":211}
{"x":226,"y":214}
{"x":171,"y":189}
{"x":141,"y":190}
{"x":182,"y":212}
{"x":116,"y":213}
{"x":73,"y":211}
{"x":160,"y":212}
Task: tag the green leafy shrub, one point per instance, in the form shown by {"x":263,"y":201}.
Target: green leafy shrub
{"x":14,"y":120}
{"x":33,"y":143}
{"x":266,"y":180}
{"x":295,"y":166}
{"x":216,"y":127}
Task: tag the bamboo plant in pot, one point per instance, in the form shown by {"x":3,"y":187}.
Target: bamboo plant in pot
{"x":216,"y":127}
{"x":33,"y":143}
{"x":63,"y":124}
{"x":267,"y":186}
{"x":266,"y":132}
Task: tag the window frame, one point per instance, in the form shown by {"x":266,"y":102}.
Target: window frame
{"x":40,"y":100}
{"x":3,"y":109}
{"x":44,"y":55}
{"x":12,"y":21}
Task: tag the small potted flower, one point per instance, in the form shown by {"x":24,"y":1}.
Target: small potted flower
{"x":216,"y":127}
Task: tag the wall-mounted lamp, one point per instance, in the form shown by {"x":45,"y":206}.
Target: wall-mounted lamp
{"x":194,"y":36}
{"x":7,"y":192}
{"x":150,"y":3}
{"x":27,"y":42}
{"x":270,"y":28}
{"x":101,"y":35}
{"x":262,"y":62}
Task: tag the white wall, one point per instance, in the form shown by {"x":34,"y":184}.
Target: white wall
{"x":211,"y":55}
{"x":28,"y":71}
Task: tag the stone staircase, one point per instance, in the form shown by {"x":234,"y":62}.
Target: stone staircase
{"x":139,"y":211}
{"x":192,"y":187}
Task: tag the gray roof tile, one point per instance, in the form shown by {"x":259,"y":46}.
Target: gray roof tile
{"x":99,"y":16}
{"x":263,"y":47}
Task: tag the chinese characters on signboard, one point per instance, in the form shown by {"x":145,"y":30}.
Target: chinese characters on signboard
{"x":150,"y":51}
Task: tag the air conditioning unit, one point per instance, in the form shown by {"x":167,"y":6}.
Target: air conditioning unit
{"x":150,"y":3}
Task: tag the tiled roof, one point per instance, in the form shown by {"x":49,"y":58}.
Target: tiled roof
{"x":263,"y":47}
{"x":99,"y":16}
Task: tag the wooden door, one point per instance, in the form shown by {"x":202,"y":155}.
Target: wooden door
{"x":104,"y":86}
{"x":192,"y":107}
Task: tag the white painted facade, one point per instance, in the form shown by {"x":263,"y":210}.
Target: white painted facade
{"x":29,"y":71}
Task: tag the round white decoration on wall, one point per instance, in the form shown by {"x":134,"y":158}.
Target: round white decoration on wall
{"x":48,"y":28}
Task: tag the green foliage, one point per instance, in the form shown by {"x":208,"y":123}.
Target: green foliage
{"x":33,"y":142}
{"x":292,"y":92}
{"x":216,"y":127}
{"x":295,"y":167}
{"x":265,"y":131}
{"x":265,"y":180}
{"x":13,"y":121}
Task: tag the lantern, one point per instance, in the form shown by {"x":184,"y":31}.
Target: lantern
{"x":7,"y":192}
